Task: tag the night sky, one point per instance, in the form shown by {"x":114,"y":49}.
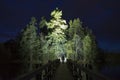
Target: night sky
{"x":102,"y":16}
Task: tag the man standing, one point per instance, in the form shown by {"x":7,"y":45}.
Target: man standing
{"x":63,"y":58}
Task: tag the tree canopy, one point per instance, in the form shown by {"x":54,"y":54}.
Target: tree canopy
{"x":57,"y":37}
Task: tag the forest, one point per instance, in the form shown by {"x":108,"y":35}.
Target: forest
{"x":44,"y":40}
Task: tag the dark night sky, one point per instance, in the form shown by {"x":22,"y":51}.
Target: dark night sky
{"x":102,"y":16}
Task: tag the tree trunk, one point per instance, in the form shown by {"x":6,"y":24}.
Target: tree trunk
{"x":30,"y":62}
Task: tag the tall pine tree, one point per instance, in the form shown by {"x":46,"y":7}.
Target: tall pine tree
{"x":56,"y":37}
{"x":28,"y":43}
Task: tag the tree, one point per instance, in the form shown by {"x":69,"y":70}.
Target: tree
{"x":28,"y":43}
{"x":76,"y":34}
{"x":56,"y":37}
{"x":89,"y":47}
{"x":75,"y":27}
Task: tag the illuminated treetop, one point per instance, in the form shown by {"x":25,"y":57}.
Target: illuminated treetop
{"x":57,"y":20}
{"x":57,"y":14}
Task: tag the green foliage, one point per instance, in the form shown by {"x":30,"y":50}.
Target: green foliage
{"x":76,"y":34}
{"x":69,"y":48}
{"x":56,"y":38}
{"x":28,"y":37}
{"x":56,"y":21}
{"x":78,"y":43}
{"x":29,"y":44}
{"x":43,"y":22}
{"x":56,"y":14}
{"x":87,"y":48}
{"x":75,"y":27}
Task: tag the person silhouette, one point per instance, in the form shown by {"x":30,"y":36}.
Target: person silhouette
{"x":63,"y":57}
